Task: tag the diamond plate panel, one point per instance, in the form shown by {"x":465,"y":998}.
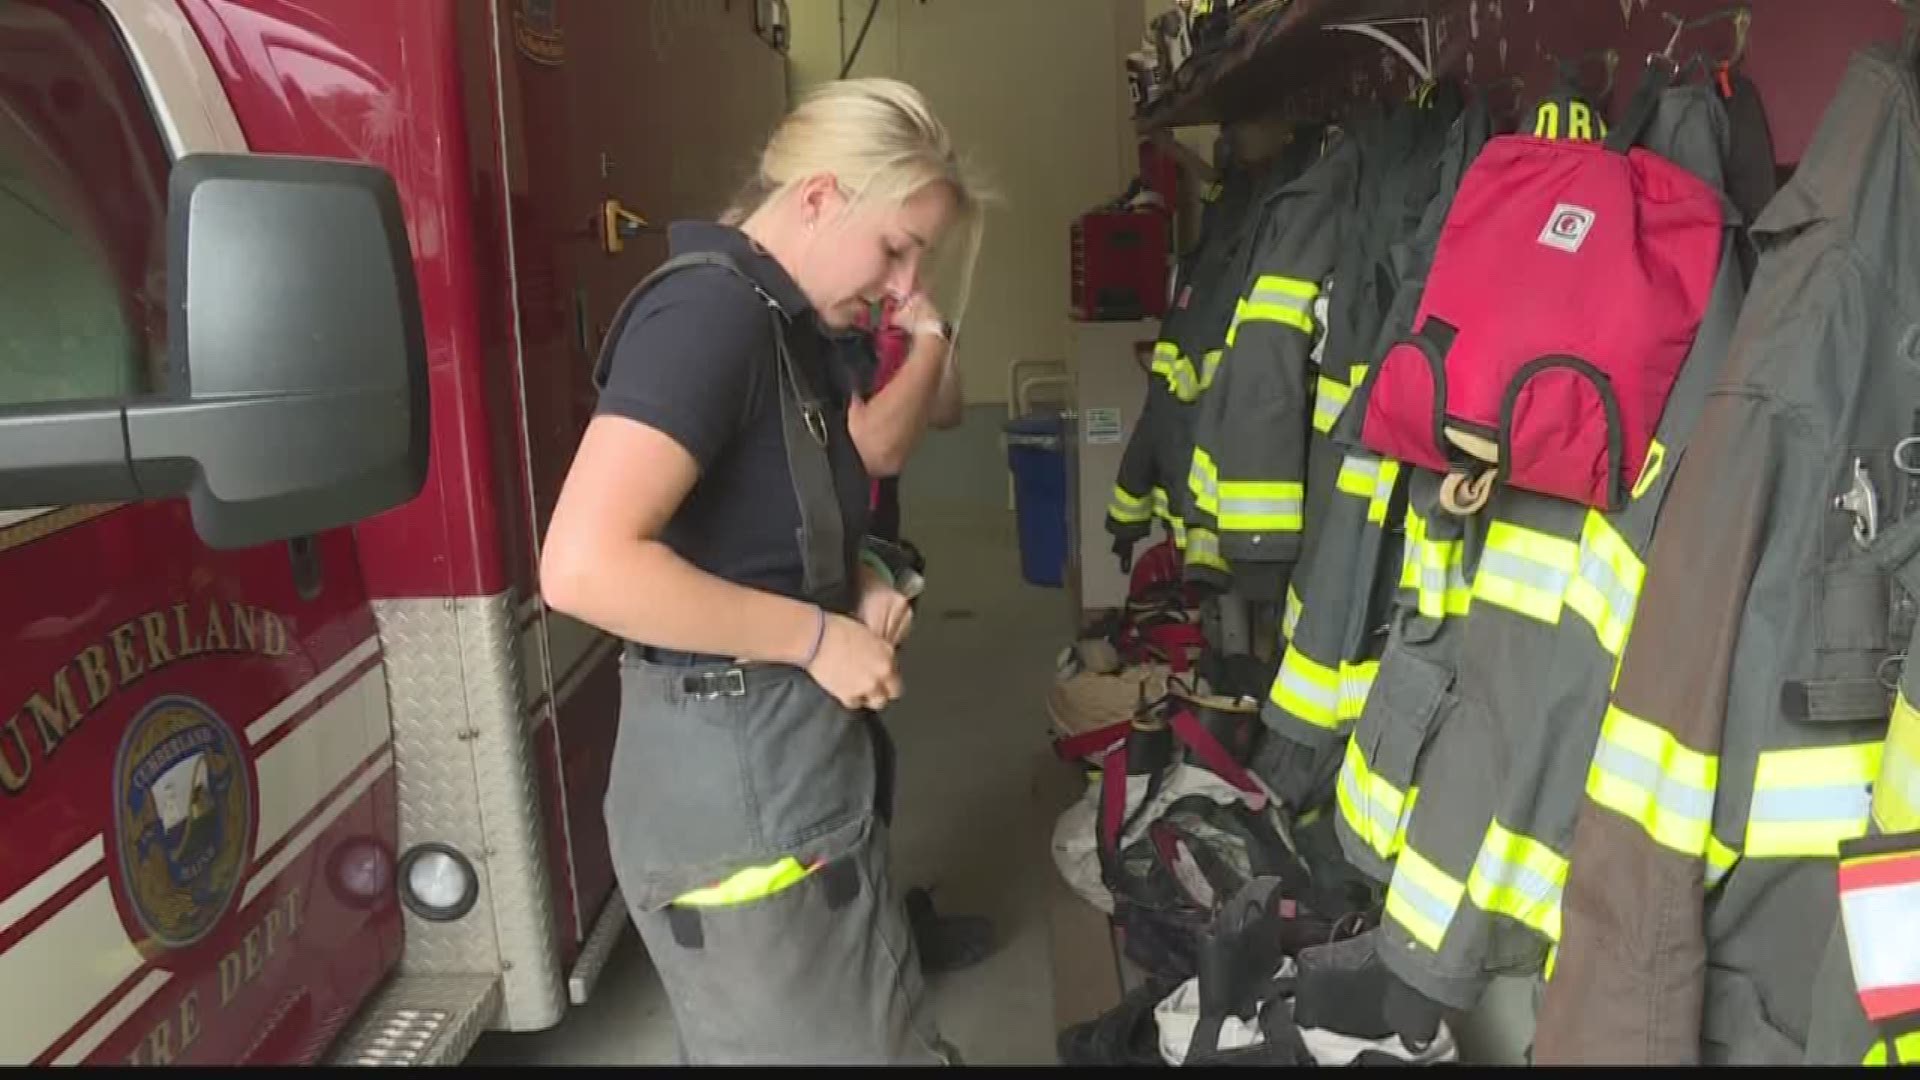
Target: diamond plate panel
{"x":420,"y":1021}
{"x":467,"y":773}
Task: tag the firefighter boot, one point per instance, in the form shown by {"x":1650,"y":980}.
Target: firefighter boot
{"x":946,"y":942}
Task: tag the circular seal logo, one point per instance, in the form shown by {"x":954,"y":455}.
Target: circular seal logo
{"x":183,"y":818}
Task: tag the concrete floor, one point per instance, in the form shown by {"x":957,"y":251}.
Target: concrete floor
{"x":974,"y":815}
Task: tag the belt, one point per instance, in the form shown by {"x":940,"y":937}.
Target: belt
{"x":647,"y":654}
{"x":730,"y":681}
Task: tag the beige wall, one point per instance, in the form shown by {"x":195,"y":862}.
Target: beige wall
{"x":1035,"y":90}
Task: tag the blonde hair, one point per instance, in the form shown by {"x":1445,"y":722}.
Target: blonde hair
{"x":880,"y":140}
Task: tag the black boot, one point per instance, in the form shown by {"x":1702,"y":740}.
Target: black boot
{"x":946,"y":942}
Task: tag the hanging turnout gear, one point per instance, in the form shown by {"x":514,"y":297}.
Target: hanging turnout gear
{"x":1339,"y":595}
{"x":1151,"y":482}
{"x":1460,"y":784}
{"x":1866,"y":1007}
{"x":1568,"y":284}
{"x":1247,"y":482}
{"x":1752,"y":701}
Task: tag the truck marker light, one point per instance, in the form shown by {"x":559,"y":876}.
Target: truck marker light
{"x":437,"y":882}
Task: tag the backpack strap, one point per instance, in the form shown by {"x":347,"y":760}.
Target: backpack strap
{"x":1656,"y":81}
{"x":803,"y":427}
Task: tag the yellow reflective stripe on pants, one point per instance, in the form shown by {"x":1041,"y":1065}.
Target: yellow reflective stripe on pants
{"x":1521,"y":878}
{"x":1896,"y":796}
{"x":1906,"y":1051}
{"x":1203,"y":549}
{"x":1422,"y":898}
{"x":1203,"y":480}
{"x":1806,"y":802}
{"x":1642,"y":773}
{"x":1130,"y":509}
{"x":1375,"y":810}
{"x":1606,"y":587}
{"x":1435,"y":570}
{"x":746,"y":886}
{"x":1331,"y":396}
{"x":1261,"y":505}
{"x":1524,"y":571}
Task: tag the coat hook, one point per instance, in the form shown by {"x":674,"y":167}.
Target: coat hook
{"x":1571,"y":68}
{"x":1742,"y":17}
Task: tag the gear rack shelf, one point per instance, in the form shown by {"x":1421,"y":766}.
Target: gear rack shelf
{"x":1274,"y":47}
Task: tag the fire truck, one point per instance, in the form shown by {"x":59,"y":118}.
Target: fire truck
{"x":300,"y":300}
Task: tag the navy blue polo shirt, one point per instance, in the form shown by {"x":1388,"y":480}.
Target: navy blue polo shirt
{"x":696,"y":361}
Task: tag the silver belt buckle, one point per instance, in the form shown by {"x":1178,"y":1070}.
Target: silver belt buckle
{"x":711,"y":685}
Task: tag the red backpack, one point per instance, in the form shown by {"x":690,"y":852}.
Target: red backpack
{"x":1568,"y":284}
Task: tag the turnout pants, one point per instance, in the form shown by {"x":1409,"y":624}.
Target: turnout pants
{"x":745,"y":813}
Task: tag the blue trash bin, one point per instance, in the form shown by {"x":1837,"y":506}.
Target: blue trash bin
{"x":1037,"y":454}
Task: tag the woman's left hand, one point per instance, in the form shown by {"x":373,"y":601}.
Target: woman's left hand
{"x":886,"y":612}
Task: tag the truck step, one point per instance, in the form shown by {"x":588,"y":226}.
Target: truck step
{"x":420,"y":1020}
{"x":607,"y":930}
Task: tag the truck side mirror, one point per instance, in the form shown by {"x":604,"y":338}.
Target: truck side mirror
{"x":296,"y":392}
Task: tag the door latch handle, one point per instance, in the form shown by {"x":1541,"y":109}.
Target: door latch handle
{"x":619,"y":225}
{"x":309,"y":575}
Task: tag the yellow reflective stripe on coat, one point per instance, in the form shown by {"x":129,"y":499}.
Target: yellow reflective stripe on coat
{"x":1521,"y":878}
{"x":1650,"y":469}
{"x":1896,"y":795}
{"x":1906,"y":1051}
{"x":1606,"y":586}
{"x":1129,"y":509}
{"x":1203,"y":549}
{"x":1261,"y":505}
{"x":1280,"y":299}
{"x":1321,"y":695}
{"x":1524,"y":571}
{"x":1177,"y":369}
{"x":1163,"y":509}
{"x":746,"y":886}
{"x":1331,"y":396}
{"x":1435,"y":570}
{"x":1290,"y":620}
{"x":1365,"y":476}
{"x":1422,"y":898}
{"x":1203,"y":480}
{"x":1374,"y":810}
{"x":1806,"y":802}
{"x":1539,"y":575}
{"x":1307,"y":690}
{"x":1642,"y":773}
{"x":1720,"y":861}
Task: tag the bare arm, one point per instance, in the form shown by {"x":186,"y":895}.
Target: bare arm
{"x":604,"y":564}
{"x":887,"y":426}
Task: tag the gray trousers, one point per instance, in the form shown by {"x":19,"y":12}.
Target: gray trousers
{"x":717,"y":770}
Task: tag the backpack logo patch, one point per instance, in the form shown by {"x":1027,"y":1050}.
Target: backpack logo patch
{"x":1568,"y":227}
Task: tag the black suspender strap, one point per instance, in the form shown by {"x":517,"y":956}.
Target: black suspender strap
{"x":804,"y":430}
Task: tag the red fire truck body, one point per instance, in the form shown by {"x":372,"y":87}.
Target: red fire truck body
{"x":330,"y":792}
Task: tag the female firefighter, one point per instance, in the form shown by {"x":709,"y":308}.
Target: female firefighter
{"x":712,"y":519}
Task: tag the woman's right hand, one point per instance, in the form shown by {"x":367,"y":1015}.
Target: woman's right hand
{"x":855,"y":665}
